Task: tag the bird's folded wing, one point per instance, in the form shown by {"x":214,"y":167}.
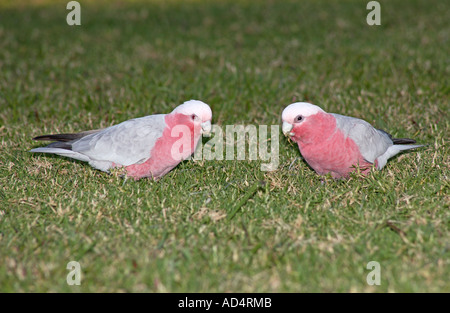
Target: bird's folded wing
{"x":371,"y":142}
{"x":126,"y":143}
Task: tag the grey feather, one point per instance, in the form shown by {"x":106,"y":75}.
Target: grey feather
{"x":127,"y":143}
{"x":374,"y":144}
{"x":398,"y":141}
{"x":393,"y":150}
{"x":371,"y":142}
{"x":62,"y":152}
{"x":66,"y":137}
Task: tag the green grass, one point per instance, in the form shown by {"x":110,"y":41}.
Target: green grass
{"x":248,"y":60}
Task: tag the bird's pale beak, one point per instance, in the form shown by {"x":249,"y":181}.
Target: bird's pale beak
{"x":206,"y":127}
{"x":287,"y":128}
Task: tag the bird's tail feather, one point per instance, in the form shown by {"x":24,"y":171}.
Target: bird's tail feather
{"x":62,"y":152}
{"x":407,"y":147}
{"x":402,"y":141}
{"x":398,"y":141}
{"x":60,"y":145}
{"x":391,"y":151}
{"x":66,"y":137}
{"x":62,"y":141}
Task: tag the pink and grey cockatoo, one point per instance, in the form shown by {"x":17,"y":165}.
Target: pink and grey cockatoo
{"x":149,"y":146}
{"x":337,"y":144}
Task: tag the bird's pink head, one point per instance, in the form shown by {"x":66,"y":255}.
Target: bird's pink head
{"x":301,"y":119}
{"x":199,"y":112}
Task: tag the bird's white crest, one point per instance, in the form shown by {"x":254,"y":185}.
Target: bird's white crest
{"x":196,"y":107}
{"x":299,"y":108}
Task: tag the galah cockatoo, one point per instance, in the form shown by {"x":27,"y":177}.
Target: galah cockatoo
{"x":337,"y":144}
{"x":149,"y":146}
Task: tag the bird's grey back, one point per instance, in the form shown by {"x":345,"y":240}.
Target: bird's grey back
{"x":371,"y":142}
{"x":127,"y":143}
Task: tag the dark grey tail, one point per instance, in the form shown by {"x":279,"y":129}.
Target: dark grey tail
{"x":398,"y":141}
{"x":402,"y":141}
{"x":65,"y":137}
{"x":64,"y":141}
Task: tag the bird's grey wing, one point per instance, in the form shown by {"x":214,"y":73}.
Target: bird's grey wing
{"x":126,"y":143}
{"x":371,"y":142}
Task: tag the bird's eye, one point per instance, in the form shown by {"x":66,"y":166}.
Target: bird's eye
{"x":299,"y":118}
{"x":193,"y":116}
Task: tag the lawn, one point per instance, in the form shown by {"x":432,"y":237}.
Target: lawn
{"x":296,"y":231}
